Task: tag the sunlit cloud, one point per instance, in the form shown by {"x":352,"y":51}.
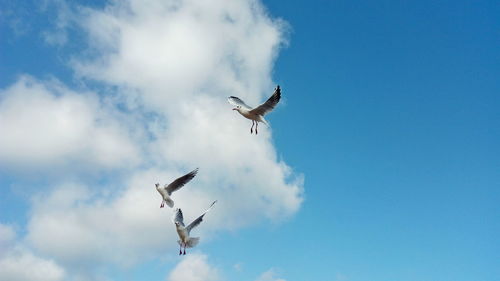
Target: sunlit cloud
{"x":171,"y":64}
{"x":18,"y":263}
{"x":194,"y":267}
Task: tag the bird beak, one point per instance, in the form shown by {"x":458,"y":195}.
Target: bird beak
{"x":235,"y":109}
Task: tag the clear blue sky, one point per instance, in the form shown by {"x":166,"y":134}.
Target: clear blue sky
{"x":391,"y":112}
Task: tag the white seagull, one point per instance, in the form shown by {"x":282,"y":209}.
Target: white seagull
{"x":183,"y":231}
{"x":167,"y":190}
{"x":256,"y":114}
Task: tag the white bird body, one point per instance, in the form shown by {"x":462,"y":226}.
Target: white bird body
{"x":252,"y":116}
{"x":167,"y":190}
{"x":183,"y":231}
{"x":256,"y":114}
{"x":164,"y":194}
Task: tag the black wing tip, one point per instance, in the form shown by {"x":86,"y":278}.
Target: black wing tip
{"x":193,"y":172}
{"x":277,"y":93}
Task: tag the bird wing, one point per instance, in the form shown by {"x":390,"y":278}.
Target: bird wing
{"x":180,"y":182}
{"x":238,"y":102}
{"x":269,"y":104}
{"x":197,"y":221}
{"x":178,"y":217}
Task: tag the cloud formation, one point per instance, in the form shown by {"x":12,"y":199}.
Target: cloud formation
{"x":17,"y":263}
{"x":194,"y":268}
{"x":172,"y":63}
{"x":269,"y":275}
{"x":172,"y":51}
{"x":48,"y":126}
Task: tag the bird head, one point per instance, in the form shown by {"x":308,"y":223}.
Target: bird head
{"x":178,"y":225}
{"x":237,"y":108}
{"x":157,"y":185}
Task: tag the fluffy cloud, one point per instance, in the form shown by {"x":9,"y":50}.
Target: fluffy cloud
{"x":194,"y":268}
{"x":78,"y":226}
{"x":173,"y":50}
{"x":45,"y":124}
{"x":269,"y":275}
{"x":234,"y":164}
{"x":122,"y":223}
{"x":173,"y":63}
{"x":19,"y":264}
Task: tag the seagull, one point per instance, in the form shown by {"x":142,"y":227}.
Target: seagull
{"x":256,"y":114}
{"x":183,"y":231}
{"x":167,"y":190}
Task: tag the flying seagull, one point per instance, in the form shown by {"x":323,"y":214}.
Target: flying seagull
{"x":256,"y":114}
{"x":183,"y":231}
{"x":167,"y":190}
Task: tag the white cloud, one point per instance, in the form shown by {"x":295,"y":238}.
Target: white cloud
{"x":194,"y":267}
{"x":44,"y":124}
{"x":17,"y":263}
{"x":7,"y":236}
{"x":122,"y":223}
{"x":234,"y":164}
{"x":170,"y":50}
{"x":176,"y":61}
{"x":80,"y":227}
{"x":62,"y":21}
{"x":269,"y":275}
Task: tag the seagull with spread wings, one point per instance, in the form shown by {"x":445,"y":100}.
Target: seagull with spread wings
{"x":166,"y":191}
{"x":184,"y":231}
{"x":256,"y":114}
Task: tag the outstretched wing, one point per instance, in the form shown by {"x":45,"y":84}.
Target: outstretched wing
{"x":180,"y":182}
{"x":197,"y":221}
{"x":178,"y":217}
{"x":269,"y":104}
{"x":238,"y":102}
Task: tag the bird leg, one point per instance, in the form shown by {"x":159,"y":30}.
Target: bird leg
{"x":184,"y":249}
{"x":180,"y":249}
{"x":256,"y":125}
{"x":162,"y":204}
{"x":251,"y":129}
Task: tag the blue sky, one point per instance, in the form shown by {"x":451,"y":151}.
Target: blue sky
{"x":389,"y":114}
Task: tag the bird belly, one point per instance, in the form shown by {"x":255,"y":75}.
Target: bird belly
{"x":163,"y":194}
{"x":248,"y":115}
{"x":183,"y":235}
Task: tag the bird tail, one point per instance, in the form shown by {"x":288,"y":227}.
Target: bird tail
{"x":193,"y":241}
{"x":264,"y":121}
{"x":170,"y":202}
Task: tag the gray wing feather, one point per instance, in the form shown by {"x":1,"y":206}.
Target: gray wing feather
{"x":180,"y":182}
{"x":197,"y":221}
{"x":269,"y":104}
{"x":238,"y":102}
{"x":178,"y":217}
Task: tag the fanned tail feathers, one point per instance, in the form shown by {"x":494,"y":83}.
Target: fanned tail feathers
{"x":170,"y":202}
{"x":193,"y":241}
